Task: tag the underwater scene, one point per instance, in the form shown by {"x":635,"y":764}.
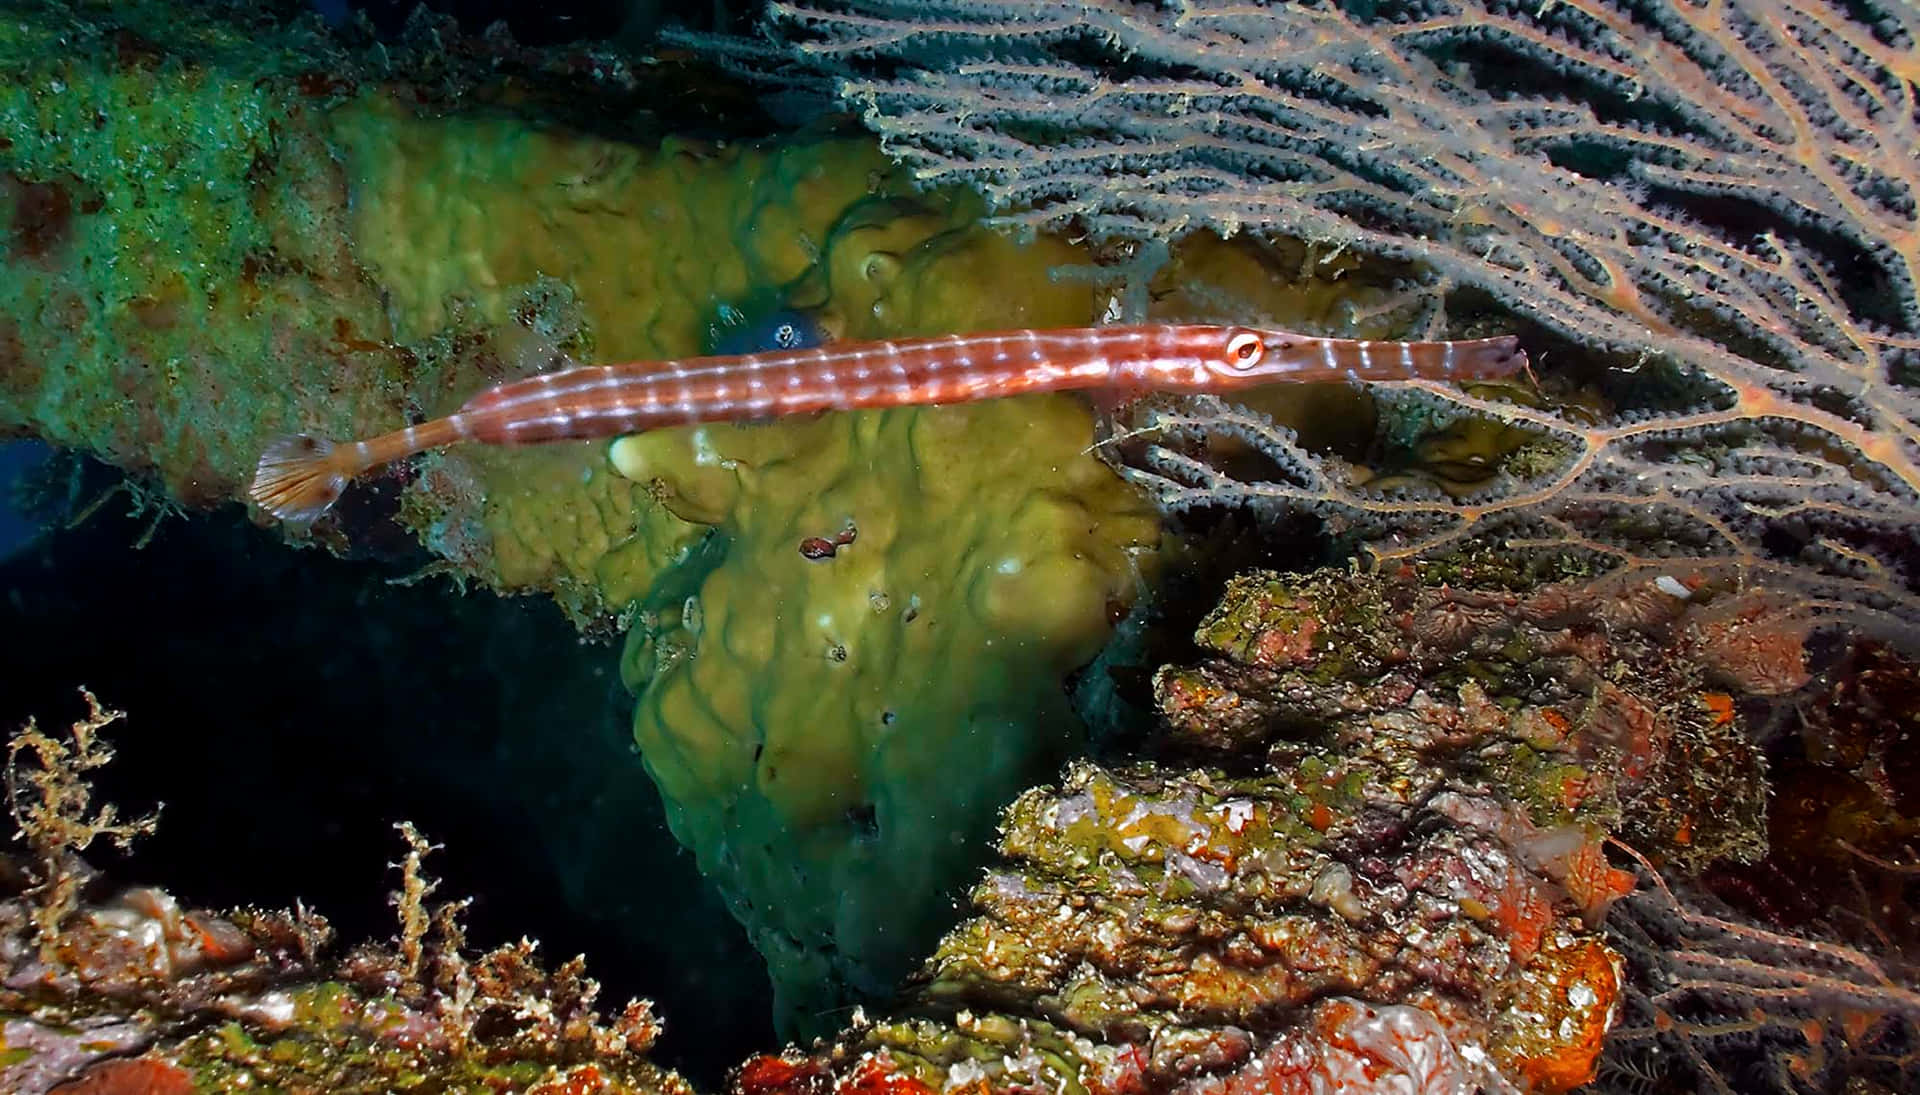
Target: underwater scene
{"x":1002,"y":547}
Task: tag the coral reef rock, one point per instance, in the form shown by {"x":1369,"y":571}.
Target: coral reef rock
{"x":1369,"y":856}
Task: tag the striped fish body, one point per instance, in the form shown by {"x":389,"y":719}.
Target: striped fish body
{"x":601,"y":401}
{"x":298,"y":478}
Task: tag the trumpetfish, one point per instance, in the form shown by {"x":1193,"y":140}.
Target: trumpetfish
{"x":299,"y":477}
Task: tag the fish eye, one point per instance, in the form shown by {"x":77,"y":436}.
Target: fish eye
{"x":786,"y":336}
{"x":1245,"y":350}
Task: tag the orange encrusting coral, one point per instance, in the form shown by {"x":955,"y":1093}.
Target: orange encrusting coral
{"x":1552,"y":1046}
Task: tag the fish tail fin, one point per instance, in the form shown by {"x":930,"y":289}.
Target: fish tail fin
{"x":299,"y":477}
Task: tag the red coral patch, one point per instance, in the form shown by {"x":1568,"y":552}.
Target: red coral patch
{"x":130,"y":1076}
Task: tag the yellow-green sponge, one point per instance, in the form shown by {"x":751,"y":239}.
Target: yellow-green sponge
{"x":833,"y":733}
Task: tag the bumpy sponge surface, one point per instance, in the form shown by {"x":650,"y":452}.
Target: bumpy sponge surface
{"x":834,"y":732}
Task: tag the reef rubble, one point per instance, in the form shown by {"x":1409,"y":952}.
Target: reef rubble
{"x":1401,"y":831}
{"x":108,"y":989}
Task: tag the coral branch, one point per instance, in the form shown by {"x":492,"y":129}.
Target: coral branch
{"x":51,"y":801}
{"x":1713,"y":200}
{"x":128,"y":990}
{"x":1725,"y":996}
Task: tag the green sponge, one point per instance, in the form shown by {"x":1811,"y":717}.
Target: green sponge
{"x":869,"y":663}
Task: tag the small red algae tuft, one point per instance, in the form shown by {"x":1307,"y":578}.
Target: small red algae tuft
{"x":130,"y":1076}
{"x":578,"y":1080}
{"x":875,"y":1075}
{"x":770,"y":1075}
{"x":1755,"y":643}
{"x":1278,"y":647}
